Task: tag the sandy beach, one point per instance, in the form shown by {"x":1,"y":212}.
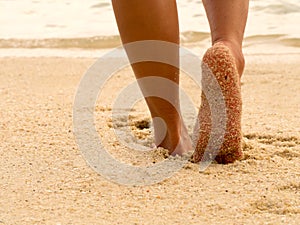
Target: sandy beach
{"x":45,"y":180}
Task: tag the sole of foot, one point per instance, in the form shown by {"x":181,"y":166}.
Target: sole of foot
{"x":220,"y":61}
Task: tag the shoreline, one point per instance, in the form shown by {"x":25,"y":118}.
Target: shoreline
{"x":253,"y":45}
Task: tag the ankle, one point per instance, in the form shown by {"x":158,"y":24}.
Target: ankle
{"x":170,"y":141}
{"x":167,"y":134}
{"x":178,"y":142}
{"x":236,"y":51}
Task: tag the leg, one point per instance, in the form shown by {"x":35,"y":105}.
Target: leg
{"x":227,"y":20}
{"x":225,"y":59}
{"x":146,"y":20}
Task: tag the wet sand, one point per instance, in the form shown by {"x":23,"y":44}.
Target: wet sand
{"x":45,"y":180}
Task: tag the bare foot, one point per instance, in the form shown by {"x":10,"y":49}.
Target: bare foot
{"x":178,"y":143}
{"x":222,"y":64}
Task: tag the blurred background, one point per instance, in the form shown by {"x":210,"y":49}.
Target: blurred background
{"x":87,"y":28}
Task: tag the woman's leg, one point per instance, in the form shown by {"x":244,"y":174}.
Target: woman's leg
{"x":227,"y":20}
{"x":140,"y":20}
{"x":225,"y":59}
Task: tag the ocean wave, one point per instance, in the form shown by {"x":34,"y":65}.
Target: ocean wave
{"x":280,"y":8}
{"x":293,"y":42}
{"x":98,"y":42}
{"x":105,"y":42}
{"x":264,"y":37}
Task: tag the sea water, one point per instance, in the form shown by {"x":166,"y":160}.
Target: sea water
{"x":90,"y":24}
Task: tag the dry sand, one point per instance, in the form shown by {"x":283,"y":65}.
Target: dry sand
{"x":45,"y":180}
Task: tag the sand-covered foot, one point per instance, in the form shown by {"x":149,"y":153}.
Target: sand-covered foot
{"x":223,"y":66}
